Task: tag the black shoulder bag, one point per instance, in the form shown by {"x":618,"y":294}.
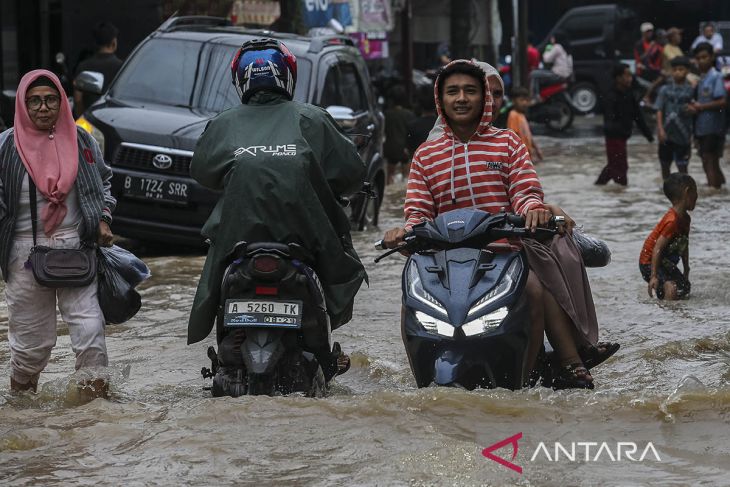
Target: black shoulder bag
{"x":59,"y":267}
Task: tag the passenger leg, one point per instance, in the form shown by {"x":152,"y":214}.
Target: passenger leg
{"x":561,"y":334}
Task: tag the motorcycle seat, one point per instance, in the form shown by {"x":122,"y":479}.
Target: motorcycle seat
{"x":291,"y":250}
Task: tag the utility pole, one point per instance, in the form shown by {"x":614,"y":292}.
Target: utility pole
{"x":460,"y":29}
{"x":407,"y":49}
{"x":519,"y":46}
{"x":489,"y":48}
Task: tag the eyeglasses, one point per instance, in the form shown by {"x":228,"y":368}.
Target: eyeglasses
{"x":36,"y":102}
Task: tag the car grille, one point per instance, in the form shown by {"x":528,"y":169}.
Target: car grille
{"x":140,"y":158}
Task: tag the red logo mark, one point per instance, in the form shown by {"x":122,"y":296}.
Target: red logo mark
{"x":89,"y":156}
{"x":260,"y":60}
{"x":512,"y":440}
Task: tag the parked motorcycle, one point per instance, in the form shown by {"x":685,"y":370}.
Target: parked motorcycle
{"x":556,"y":108}
{"x":466,"y":317}
{"x":272,"y":329}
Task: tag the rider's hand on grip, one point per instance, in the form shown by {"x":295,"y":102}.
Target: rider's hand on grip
{"x":394,"y":238}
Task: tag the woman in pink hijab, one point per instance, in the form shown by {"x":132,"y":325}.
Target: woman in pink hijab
{"x":46,"y":151}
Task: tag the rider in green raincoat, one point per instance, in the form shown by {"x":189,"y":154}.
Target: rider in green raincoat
{"x":282,"y":166}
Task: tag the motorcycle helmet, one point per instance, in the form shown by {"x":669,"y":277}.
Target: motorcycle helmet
{"x":264,"y":64}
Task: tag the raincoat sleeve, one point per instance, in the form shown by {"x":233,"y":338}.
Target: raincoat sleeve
{"x":523,"y":186}
{"x":420,"y":205}
{"x":341,"y":163}
{"x":210,"y":164}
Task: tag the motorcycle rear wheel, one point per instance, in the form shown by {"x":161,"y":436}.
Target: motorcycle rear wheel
{"x":565,"y":118}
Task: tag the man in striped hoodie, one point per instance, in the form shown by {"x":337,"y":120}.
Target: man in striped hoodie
{"x":475,"y":165}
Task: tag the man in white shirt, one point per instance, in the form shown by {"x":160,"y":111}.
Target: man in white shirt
{"x":709,"y":35}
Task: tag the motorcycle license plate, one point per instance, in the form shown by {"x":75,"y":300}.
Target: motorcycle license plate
{"x":241,"y":313}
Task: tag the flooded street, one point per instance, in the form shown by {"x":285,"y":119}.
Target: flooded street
{"x":668,"y":385}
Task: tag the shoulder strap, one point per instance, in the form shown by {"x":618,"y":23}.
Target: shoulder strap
{"x":33,"y":206}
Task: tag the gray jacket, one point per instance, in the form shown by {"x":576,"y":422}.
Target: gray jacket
{"x":93,"y":186}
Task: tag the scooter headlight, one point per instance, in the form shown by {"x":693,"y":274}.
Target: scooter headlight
{"x":434,"y":325}
{"x":485,"y":323}
{"x":505,"y":286}
{"x":415,"y":289}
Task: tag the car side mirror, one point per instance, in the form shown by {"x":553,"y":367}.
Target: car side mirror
{"x":344,"y":116}
{"x":89,"y":82}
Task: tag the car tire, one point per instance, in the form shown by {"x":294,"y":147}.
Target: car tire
{"x":585,"y":97}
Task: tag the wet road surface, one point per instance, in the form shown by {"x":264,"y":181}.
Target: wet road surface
{"x":668,"y":385}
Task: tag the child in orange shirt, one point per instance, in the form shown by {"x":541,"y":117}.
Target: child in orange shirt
{"x":517,"y":122}
{"x":669,"y":241}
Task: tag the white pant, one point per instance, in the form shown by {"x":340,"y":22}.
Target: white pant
{"x":32,"y":314}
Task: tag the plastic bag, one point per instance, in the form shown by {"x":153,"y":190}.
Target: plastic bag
{"x":131,"y":268}
{"x":595,"y":251}
{"x":119,"y":272}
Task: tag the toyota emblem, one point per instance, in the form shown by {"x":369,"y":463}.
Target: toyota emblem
{"x":162,"y":161}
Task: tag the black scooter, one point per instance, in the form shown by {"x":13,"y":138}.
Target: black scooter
{"x":466,"y":320}
{"x":273,"y":331}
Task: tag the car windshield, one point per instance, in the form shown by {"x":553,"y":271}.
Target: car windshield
{"x":217,"y":93}
{"x":162,"y":71}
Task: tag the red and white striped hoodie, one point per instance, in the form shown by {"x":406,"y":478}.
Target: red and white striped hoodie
{"x":491,"y":171}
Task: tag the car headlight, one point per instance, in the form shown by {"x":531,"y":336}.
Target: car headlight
{"x":434,"y":325}
{"x":415,"y":289}
{"x":504,"y":287}
{"x":485,"y":323}
{"x":95,"y":132}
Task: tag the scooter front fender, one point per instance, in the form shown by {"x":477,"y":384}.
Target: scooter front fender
{"x":262,"y":349}
{"x":446,"y":368}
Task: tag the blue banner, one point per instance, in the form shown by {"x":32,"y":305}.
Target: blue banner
{"x":316,"y":13}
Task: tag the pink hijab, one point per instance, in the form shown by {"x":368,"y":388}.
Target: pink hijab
{"x":51,"y":162}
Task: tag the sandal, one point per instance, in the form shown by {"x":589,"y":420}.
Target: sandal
{"x":595,"y":355}
{"x":573,"y":376}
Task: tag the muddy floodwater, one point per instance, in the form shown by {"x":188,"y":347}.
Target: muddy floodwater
{"x":668,"y":386}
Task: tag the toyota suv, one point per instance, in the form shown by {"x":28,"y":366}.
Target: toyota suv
{"x":178,"y":78}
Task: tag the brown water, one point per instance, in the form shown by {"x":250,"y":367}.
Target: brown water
{"x":668,"y":385}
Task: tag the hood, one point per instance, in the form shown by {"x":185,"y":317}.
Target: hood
{"x":486,"y":119}
{"x":156,"y":125}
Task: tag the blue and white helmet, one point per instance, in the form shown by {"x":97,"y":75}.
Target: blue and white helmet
{"x":264,"y":64}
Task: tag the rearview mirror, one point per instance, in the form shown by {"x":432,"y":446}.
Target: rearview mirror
{"x":89,"y":82}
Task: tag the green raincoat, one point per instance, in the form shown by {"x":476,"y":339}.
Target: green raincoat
{"x":281,"y":165}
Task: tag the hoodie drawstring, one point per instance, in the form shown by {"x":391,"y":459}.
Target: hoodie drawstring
{"x":468,"y":172}
{"x":453,"y":151}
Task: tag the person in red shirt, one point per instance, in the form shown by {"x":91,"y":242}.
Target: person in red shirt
{"x":669,"y":241}
{"x":648,"y":54}
{"x":533,"y":57}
